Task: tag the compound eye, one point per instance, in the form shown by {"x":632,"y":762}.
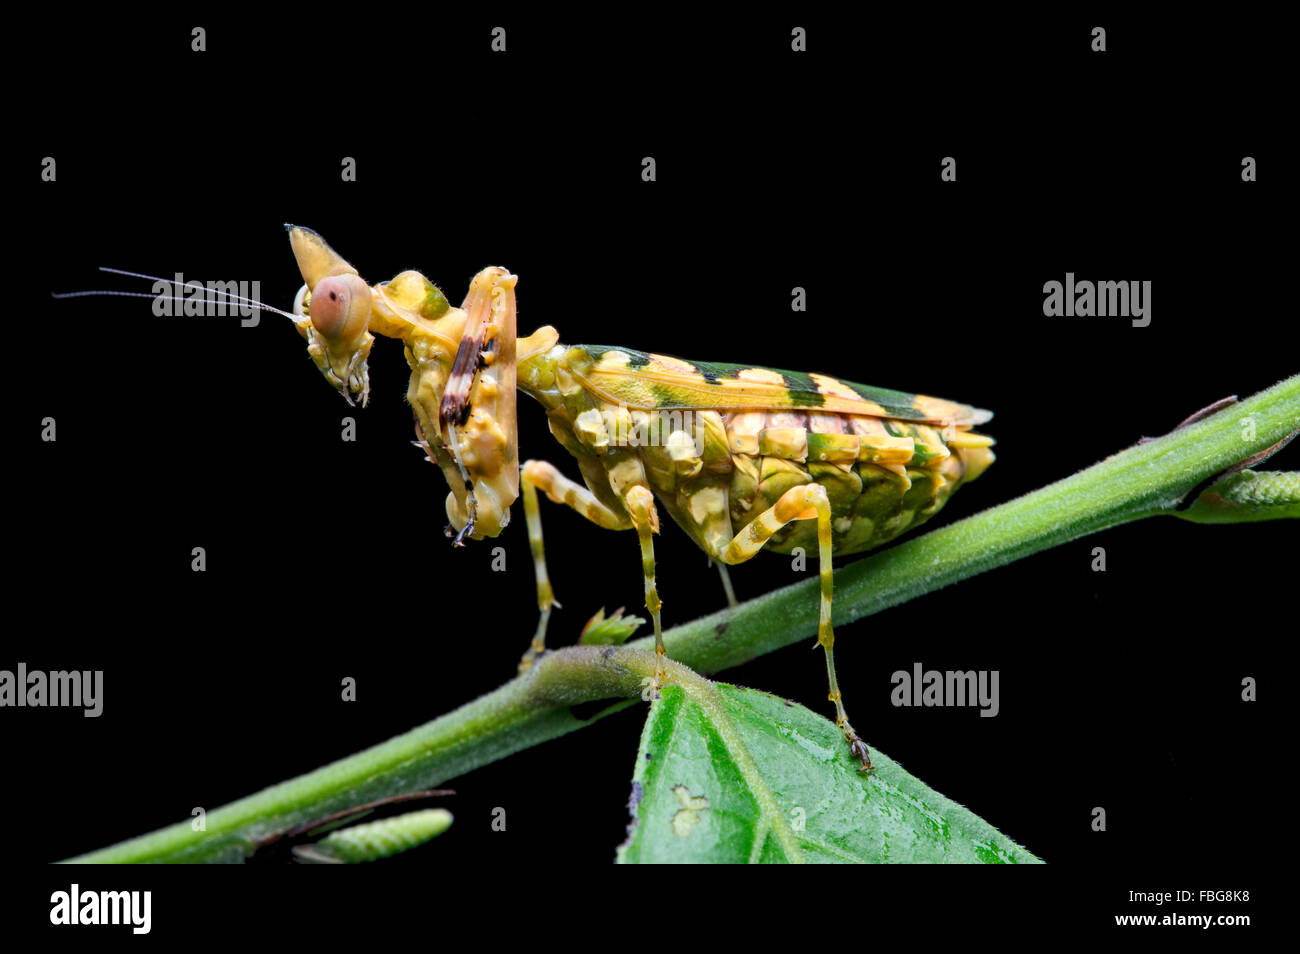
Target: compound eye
{"x":340,"y":307}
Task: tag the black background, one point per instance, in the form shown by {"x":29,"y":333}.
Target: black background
{"x":327,"y":559}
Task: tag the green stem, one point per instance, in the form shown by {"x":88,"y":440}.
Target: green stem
{"x":1144,"y":480}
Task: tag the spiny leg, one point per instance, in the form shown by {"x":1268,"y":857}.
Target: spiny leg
{"x":805,"y":502}
{"x":476,"y":415}
{"x":537,"y":474}
{"x":640,"y":503}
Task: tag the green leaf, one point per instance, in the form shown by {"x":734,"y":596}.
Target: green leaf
{"x":731,"y":775}
{"x":1248,"y":496}
{"x":611,"y":631}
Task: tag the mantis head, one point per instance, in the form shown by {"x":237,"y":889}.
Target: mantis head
{"x":463,"y":368}
{"x":332,"y":311}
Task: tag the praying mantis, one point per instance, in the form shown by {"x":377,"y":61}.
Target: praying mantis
{"x":742,"y":458}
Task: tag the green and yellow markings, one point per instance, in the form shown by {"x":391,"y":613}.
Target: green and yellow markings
{"x":659,"y":381}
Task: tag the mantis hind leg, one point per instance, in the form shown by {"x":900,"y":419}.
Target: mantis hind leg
{"x":726,"y":583}
{"x":538,"y":475}
{"x":805,"y":502}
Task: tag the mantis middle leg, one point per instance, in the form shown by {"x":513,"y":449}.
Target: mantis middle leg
{"x":640,"y":509}
{"x":539,"y":475}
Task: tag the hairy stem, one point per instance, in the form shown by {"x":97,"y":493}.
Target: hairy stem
{"x":1144,"y":480}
